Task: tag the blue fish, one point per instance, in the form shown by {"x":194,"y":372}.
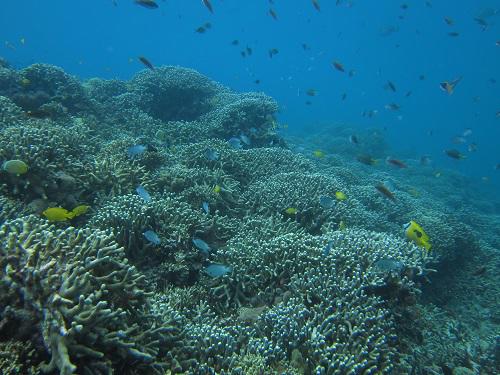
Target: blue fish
{"x":143,"y":193}
{"x":206,"y":207}
{"x":211,"y":154}
{"x":217,"y":270}
{"x":152,"y":237}
{"x":135,"y":150}
{"x":245,"y":139}
{"x":202,"y":246}
{"x":327,"y":248}
{"x":326,"y":201}
{"x":389,"y":265}
{"x":235,"y":143}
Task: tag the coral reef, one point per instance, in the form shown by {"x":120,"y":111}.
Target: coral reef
{"x":317,"y":276}
{"x":75,"y":291}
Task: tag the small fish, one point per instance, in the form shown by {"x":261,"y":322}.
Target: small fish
{"x":202,"y":246}
{"x":311,"y":92}
{"x":143,"y":193}
{"x":326,"y":201}
{"x":272,"y":52}
{"x":15,"y":167}
{"x":415,"y":233}
{"x":80,"y":210}
{"x":217,"y":270}
{"x":211,"y":154}
{"x":449,"y":21}
{"x":200,"y":30}
{"x":316,"y":5}
{"x":249,"y":51}
{"x":342,"y":225}
{"x":388,"y":265}
{"x":455,"y":154}
{"x":273,"y":14}
{"x":425,"y":160}
{"x":150,"y":4}
{"x":305,"y":47}
{"x":449,"y":87}
{"x":453,"y":34}
{"x":392,"y":107}
{"x":25,"y":82}
{"x":340,"y":196}
{"x":152,"y":237}
{"x":354,"y":140}
{"x":291,"y":211}
{"x":135,"y":150}
{"x":395,"y":162}
{"x":146,"y":62}
{"x":208,"y":5}
{"x":344,"y":96}
{"x":385,"y":191}
{"x":318,"y":154}
{"x":467,"y":132}
{"x":57,"y":214}
{"x":245,"y":139}
{"x":366,"y":159}
{"x":235,"y":42}
{"x":408,"y":94}
{"x":206,"y":207}
{"x":327,"y":248}
{"x":338,"y":65}
{"x":458,"y":140}
{"x":235,"y":143}
{"x":389,"y":85}
{"x":217,"y":189}
{"x":497,"y":166}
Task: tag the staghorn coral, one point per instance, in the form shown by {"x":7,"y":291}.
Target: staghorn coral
{"x":76,"y":289}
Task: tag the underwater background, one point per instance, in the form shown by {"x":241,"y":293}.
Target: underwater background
{"x":249,"y":187}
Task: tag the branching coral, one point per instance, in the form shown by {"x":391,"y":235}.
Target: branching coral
{"x":77,"y":287}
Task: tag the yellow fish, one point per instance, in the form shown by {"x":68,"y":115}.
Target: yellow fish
{"x":80,"y":210}
{"x":62,"y":214}
{"x":319,"y":154}
{"x":342,"y":225}
{"x":57,"y":214}
{"x":17,"y":167}
{"x":25,"y":82}
{"x":291,"y":211}
{"x":340,"y":196}
{"x":217,"y":189}
{"x":415,"y":233}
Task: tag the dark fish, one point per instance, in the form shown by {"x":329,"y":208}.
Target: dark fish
{"x":352,"y":72}
{"x":257,"y":81}
{"x":235,"y":42}
{"x":408,"y":94}
{"x":316,"y":5}
{"x":453,"y":33}
{"x":404,"y":6}
{"x":38,"y":113}
{"x":454,"y":154}
{"x":338,"y":65}
{"x":150,"y":4}
{"x":385,"y":191}
{"x":396,"y":162}
{"x":344,"y":96}
{"x":249,"y":51}
{"x":311,"y":92}
{"x":208,"y":5}
{"x":305,"y":47}
{"x":482,"y":22}
{"x":480,"y":271}
{"x":273,"y":14}
{"x":366,"y":159}
{"x":354,"y":140}
{"x":243,"y":54}
{"x":201,"y":30}
{"x":497,"y":167}
{"x":392,"y":107}
{"x":272,"y":52}
{"x":421,"y":77}
{"x":390,"y":86}
{"x":146,"y":62}
{"x":449,"y":21}
{"x":449,"y":87}
{"x":425,"y":160}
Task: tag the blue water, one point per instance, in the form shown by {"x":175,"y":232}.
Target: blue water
{"x":104,"y":38}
